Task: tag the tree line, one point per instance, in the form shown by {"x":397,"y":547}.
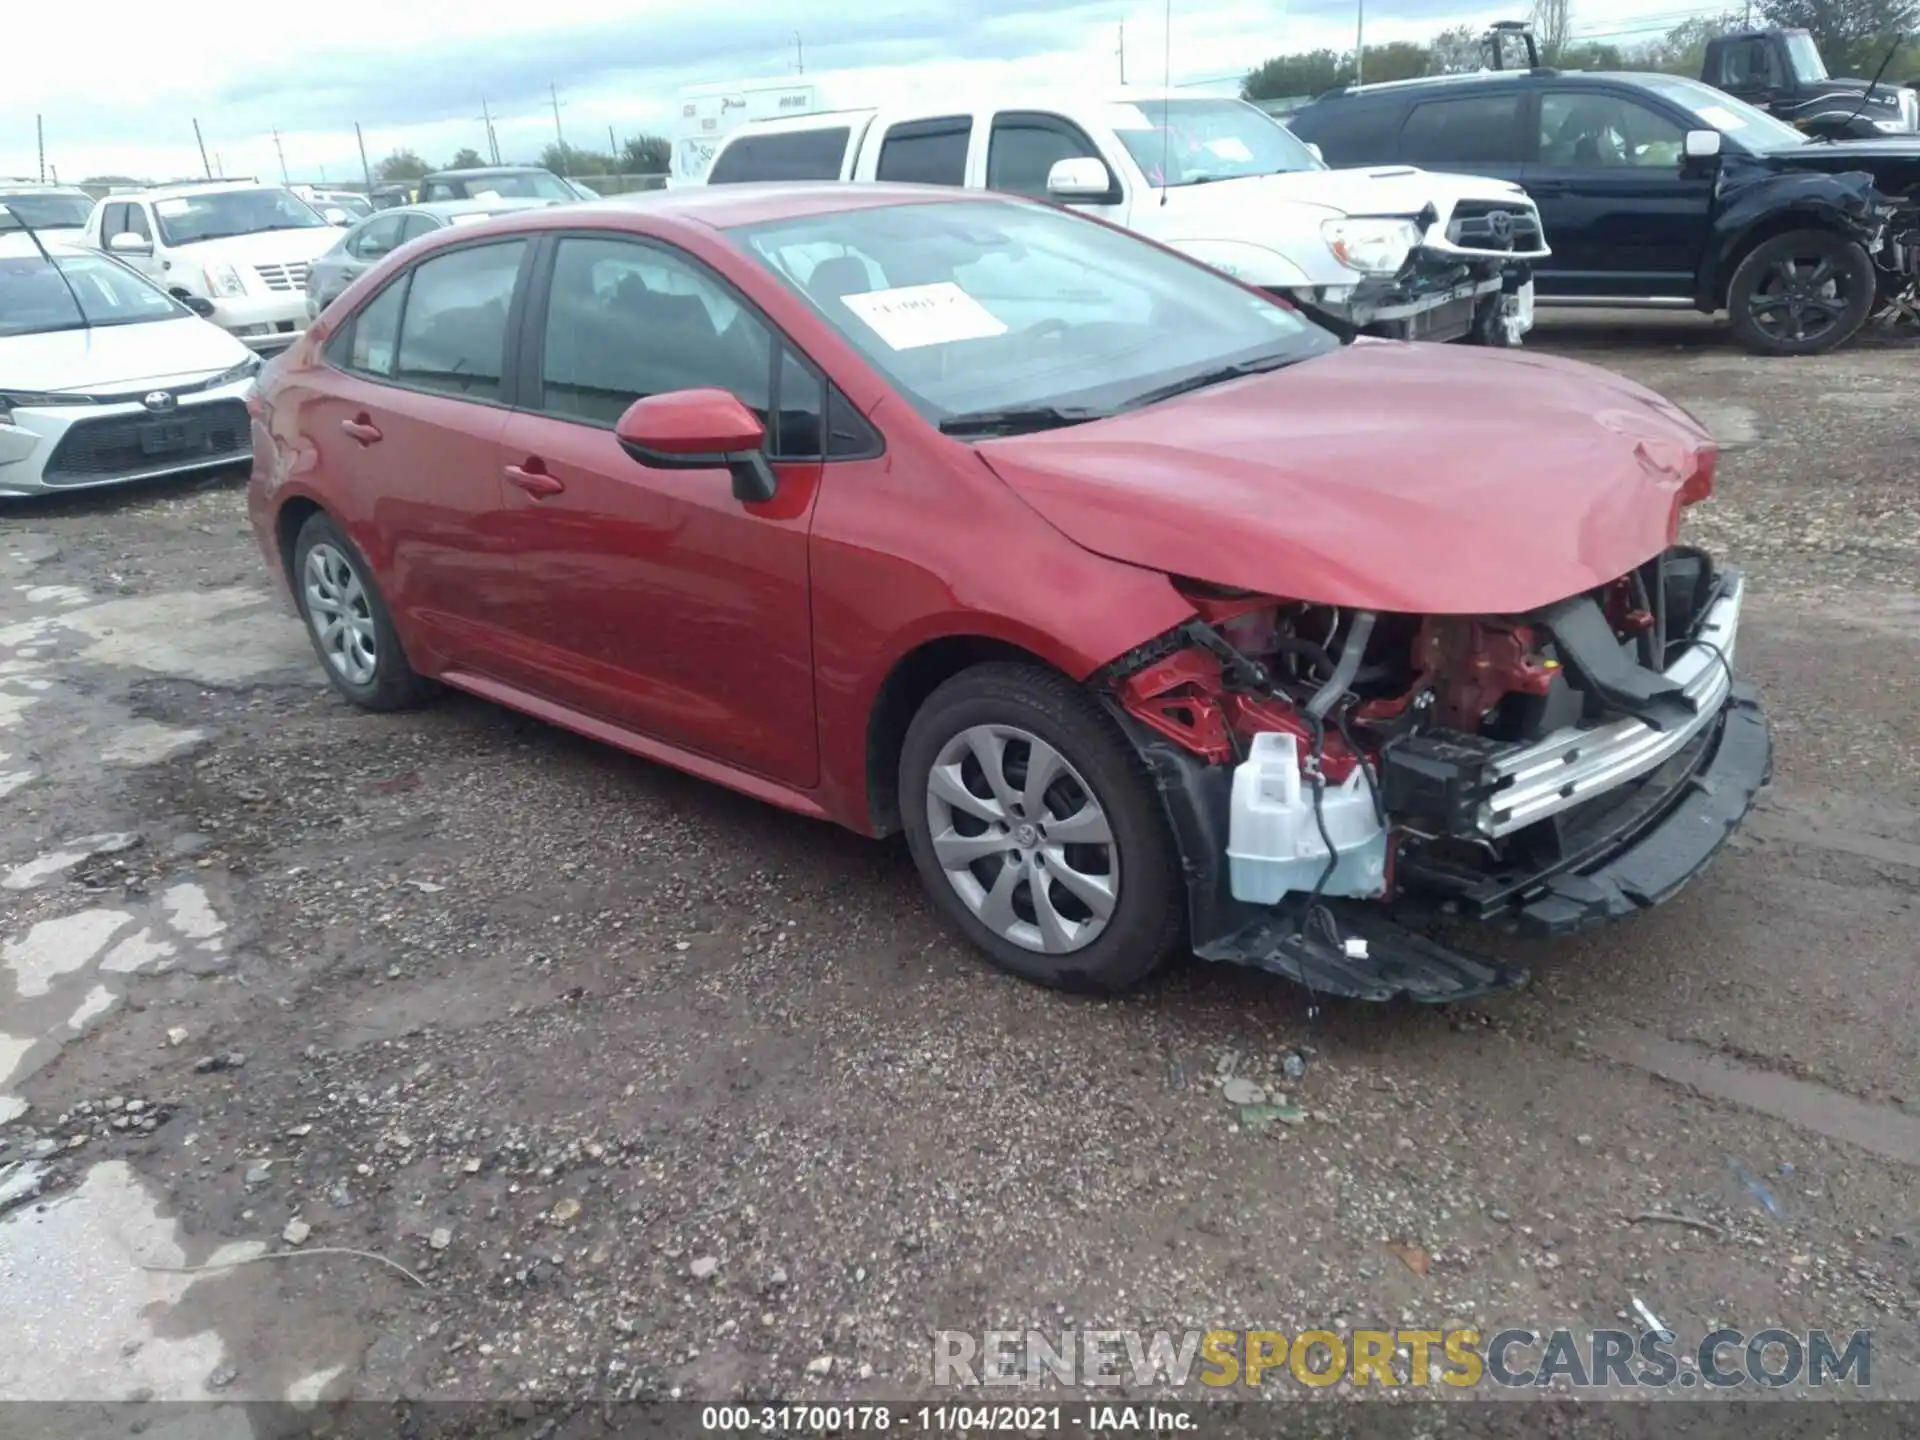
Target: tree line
{"x":638,"y":155}
{"x":1853,"y":36}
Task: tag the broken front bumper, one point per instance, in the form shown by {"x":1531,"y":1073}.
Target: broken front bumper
{"x":1434,"y":297}
{"x":1618,"y":817}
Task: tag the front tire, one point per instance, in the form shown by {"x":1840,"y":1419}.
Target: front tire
{"x":1038,"y":832}
{"x":348,"y":621}
{"x":1802,"y":293}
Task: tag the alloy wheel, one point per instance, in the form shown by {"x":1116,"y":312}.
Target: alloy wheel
{"x":1799,"y":298}
{"x":341,"y":615}
{"x":1022,"y":839}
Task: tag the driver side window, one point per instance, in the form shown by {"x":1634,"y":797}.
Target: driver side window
{"x":1024,"y":148}
{"x":1590,"y":130}
{"x":376,"y":238}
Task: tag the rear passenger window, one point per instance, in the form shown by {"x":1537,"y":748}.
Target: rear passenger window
{"x":926,"y":152}
{"x":1476,"y":129}
{"x":416,"y":226}
{"x":794,"y":155}
{"x":368,"y":342}
{"x":1351,"y":134}
{"x":453,"y":334}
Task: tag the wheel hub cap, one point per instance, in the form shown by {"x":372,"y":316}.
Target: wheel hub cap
{"x":341,"y":615}
{"x":1023,"y":839}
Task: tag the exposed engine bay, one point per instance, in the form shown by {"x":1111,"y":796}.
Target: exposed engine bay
{"x":1493,"y":767}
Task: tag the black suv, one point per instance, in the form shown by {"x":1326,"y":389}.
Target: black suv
{"x":1658,"y":190}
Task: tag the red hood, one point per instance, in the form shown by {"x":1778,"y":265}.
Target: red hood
{"x":1423,"y":478}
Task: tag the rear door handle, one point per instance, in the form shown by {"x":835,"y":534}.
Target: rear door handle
{"x":535,"y":482}
{"x":361,"y":429}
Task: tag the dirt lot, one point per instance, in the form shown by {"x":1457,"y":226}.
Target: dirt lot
{"x":658,"y":1091}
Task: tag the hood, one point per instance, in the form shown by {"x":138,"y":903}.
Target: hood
{"x":114,"y":359}
{"x":265,"y":247}
{"x":1426,"y":479}
{"x":1368,"y":190}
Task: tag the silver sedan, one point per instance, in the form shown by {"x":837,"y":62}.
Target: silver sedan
{"x":373,"y":239}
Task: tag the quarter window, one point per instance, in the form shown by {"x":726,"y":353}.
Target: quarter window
{"x":1481,"y":129}
{"x":453,"y":334}
{"x":926,"y":152}
{"x":1592,"y":130}
{"x":416,"y":226}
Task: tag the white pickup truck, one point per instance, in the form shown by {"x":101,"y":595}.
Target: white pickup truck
{"x":1389,"y":250}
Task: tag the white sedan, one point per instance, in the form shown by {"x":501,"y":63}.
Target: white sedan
{"x":104,"y":377}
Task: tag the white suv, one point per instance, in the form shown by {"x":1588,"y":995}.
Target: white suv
{"x":241,"y":245}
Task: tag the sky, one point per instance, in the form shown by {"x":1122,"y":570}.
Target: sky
{"x":118,"y":93}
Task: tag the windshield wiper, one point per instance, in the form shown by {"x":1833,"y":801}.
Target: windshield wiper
{"x":1017,"y":420}
{"x":1220,"y":376}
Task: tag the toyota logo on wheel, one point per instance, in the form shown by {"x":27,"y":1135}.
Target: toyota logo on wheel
{"x":1500,"y":225}
{"x":158,"y":401}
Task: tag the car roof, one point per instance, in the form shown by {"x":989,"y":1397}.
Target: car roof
{"x":696,"y":208}
{"x":18,"y":245}
{"x":1477,"y":78}
{"x":194,"y":187}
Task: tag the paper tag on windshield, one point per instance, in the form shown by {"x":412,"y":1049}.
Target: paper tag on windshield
{"x":1718,"y":117}
{"x":1230,"y":147}
{"x":916,"y":315}
{"x":171,"y":208}
{"x":1128,"y":117}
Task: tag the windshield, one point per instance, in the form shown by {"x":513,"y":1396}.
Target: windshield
{"x":1189,"y":142}
{"x":48,"y":209}
{"x":221,"y":214}
{"x":1733,"y":118}
{"x":973,"y":307}
{"x":518,"y":185}
{"x":1804,"y":56}
{"x":33,"y":300}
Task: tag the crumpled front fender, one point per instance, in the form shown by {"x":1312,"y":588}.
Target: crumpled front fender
{"x":1750,"y":196}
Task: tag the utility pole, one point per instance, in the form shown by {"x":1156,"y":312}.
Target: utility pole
{"x":203,"y":150}
{"x":1123,"y":52}
{"x":40,"y":135}
{"x":1359,"y":38}
{"x":553,"y":94}
{"x":366,"y":170}
{"x":281,"y":151}
{"x":799,"y":55}
{"x":493,"y":141}
{"x":613,"y":150}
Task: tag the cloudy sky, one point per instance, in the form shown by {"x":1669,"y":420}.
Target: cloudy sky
{"x":118,"y":84}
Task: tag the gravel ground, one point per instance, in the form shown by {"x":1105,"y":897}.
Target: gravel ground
{"x":645,"y":1089}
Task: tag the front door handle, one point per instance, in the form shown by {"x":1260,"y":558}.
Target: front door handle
{"x":361,"y":429}
{"x":536,"y":482}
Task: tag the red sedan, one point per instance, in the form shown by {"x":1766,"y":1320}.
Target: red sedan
{"x":1157,"y":617}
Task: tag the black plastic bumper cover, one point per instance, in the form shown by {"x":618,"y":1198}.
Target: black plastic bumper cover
{"x":1672,"y":839}
{"x":1653,"y":865}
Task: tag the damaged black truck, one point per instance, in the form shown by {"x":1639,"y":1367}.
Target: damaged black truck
{"x":1660,"y":191}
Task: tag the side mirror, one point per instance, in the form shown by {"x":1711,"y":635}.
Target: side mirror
{"x":700,"y":430}
{"x":128,"y":243}
{"x":1316,"y":152}
{"x":1702,"y":144}
{"x":198,"y":304}
{"x":334,"y":215}
{"x":1081,"y":178}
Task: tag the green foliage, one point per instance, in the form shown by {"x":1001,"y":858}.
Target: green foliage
{"x":466,"y":158}
{"x":402,"y":165}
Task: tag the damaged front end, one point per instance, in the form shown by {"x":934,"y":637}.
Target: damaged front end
{"x":1330,"y":774}
{"x":1471,"y":275}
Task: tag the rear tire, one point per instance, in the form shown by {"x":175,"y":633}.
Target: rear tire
{"x":1802,"y":293}
{"x":348,"y":621}
{"x":1076,"y":884}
